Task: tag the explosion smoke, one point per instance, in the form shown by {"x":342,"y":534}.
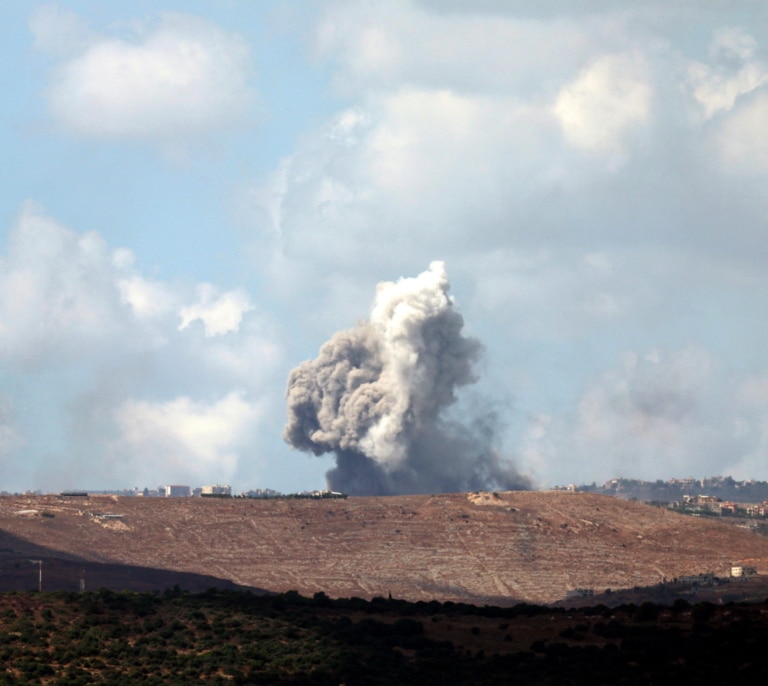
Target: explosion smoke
{"x":376,"y":395}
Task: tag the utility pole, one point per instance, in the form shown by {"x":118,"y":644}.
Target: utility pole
{"x":39,"y":563}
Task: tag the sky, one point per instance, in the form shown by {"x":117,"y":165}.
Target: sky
{"x":197,"y":195}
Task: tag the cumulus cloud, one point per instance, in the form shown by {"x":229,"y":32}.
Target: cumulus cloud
{"x":743,"y":145}
{"x":370,"y":174}
{"x":382,"y":46}
{"x":59,"y":290}
{"x":608,"y":99}
{"x":219,"y":313}
{"x":734,"y":70}
{"x":432,"y":163}
{"x":577,"y":149}
{"x":103,"y":381}
{"x":146,"y":298}
{"x":59,"y":31}
{"x":191,"y":441}
{"x":177,"y":77}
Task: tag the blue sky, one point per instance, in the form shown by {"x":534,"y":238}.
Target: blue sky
{"x":197,"y":195}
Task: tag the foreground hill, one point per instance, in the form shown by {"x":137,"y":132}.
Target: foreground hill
{"x":230,"y":637}
{"x":479,"y":547}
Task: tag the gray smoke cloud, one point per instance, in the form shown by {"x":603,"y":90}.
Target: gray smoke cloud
{"x":376,"y":396}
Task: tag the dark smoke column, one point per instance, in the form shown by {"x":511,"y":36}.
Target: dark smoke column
{"x":375,"y":396}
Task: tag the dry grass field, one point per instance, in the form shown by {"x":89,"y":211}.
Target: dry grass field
{"x":480,"y":547}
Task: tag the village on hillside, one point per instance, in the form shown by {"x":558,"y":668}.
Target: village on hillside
{"x":713,"y":496}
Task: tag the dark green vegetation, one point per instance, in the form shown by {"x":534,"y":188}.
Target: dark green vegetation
{"x":232,"y":637}
{"x":721,"y":591}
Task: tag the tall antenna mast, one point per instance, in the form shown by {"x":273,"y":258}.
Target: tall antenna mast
{"x":82,"y":581}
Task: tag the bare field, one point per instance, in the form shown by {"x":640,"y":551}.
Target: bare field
{"x":479,"y":547}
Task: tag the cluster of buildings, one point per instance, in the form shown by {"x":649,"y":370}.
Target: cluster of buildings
{"x":211,"y":491}
{"x":711,"y":504}
{"x":725,"y":489}
{"x":181,"y":491}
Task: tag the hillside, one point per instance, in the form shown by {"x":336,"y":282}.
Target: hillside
{"x":480,"y":548}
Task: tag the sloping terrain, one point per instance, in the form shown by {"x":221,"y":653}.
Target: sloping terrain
{"x":481,"y":548}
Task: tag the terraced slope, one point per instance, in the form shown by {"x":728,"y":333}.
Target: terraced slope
{"x":482,"y":548}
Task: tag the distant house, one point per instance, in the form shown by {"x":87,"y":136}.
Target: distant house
{"x":757,"y":510}
{"x":685,"y":484}
{"x":740,"y":571}
{"x":217,"y":489}
{"x":177,"y":491}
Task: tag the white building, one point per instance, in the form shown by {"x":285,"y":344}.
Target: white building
{"x":217,"y":489}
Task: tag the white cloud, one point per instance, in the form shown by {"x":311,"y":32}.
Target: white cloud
{"x":381,"y":46}
{"x":59,"y":32}
{"x":718,"y":92}
{"x":63,"y":293}
{"x":57,"y":290}
{"x":183,"y":439}
{"x":220,"y":314}
{"x":732,"y":43}
{"x":92,"y":350}
{"x":147,"y":298}
{"x":179,"y":77}
{"x":411,"y":169}
{"x":609,"y":99}
{"x":734,"y":72}
{"x":742,"y":139}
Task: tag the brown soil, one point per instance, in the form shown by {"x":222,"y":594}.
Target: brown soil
{"x":481,"y":548}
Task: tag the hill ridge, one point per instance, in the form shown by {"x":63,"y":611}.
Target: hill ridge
{"x":496,"y":548}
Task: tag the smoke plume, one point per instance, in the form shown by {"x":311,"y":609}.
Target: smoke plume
{"x":376,"y":396}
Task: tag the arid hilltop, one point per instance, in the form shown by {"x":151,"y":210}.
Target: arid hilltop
{"x":479,"y":547}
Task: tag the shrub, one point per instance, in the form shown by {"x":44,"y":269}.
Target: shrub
{"x":408,"y":627}
{"x":647,"y":612}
